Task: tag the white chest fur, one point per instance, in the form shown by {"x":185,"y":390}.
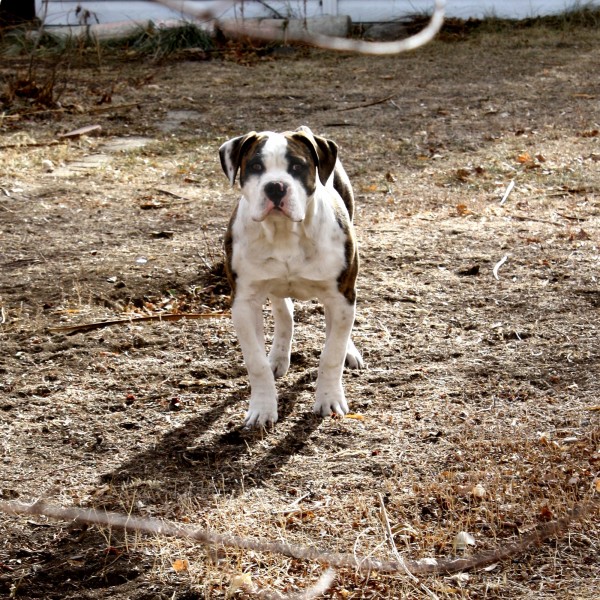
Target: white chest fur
{"x":287,"y":259}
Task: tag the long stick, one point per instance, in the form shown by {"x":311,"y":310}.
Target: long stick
{"x":333,"y":559}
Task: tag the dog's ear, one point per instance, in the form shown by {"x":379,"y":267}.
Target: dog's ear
{"x":324,"y":151}
{"x":231,"y":153}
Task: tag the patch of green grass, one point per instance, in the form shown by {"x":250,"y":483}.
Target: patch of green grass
{"x":579,"y":15}
{"x":158,"y":43}
{"x":162,"y":42}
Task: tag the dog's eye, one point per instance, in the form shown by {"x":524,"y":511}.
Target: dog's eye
{"x":298,"y":167}
{"x":257,"y":167}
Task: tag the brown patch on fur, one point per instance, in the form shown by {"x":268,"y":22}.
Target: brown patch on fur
{"x":249,"y":151}
{"x":344,"y":189}
{"x":347,"y":278}
{"x":324,"y":152}
{"x":297,"y":148}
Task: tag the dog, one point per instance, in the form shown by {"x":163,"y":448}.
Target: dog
{"x":290,"y":236}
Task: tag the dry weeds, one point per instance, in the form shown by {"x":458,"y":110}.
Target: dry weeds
{"x":478,"y":413}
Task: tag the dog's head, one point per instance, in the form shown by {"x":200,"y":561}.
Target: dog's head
{"x":279,"y":172}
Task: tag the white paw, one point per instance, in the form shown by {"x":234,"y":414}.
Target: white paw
{"x":261,"y":413}
{"x":353,"y":358}
{"x":280,"y":363}
{"x":331,"y":401}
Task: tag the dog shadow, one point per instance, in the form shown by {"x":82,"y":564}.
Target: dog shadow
{"x":223,"y":462}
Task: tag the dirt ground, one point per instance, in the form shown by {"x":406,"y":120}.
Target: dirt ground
{"x":479,"y":408}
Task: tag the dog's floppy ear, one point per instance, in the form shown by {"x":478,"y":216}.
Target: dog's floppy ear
{"x":231,"y":153}
{"x":324,"y":151}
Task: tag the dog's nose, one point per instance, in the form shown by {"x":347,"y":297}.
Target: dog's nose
{"x":275,"y":191}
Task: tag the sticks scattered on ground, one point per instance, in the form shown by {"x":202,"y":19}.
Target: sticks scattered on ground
{"x":509,"y":189}
{"x":367,"y":104}
{"x":71,"y":329}
{"x":333,"y":559}
{"x":498,"y":266}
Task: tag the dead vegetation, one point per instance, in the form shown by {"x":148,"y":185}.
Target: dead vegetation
{"x":477,"y":420}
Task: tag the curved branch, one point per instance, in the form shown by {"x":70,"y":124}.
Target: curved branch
{"x":318,"y":40}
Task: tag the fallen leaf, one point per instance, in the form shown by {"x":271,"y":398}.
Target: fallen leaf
{"x":524,"y":158}
{"x":478,"y":491}
{"x":180,"y":565}
{"x":460,"y":578}
{"x":463,"y":540}
{"x":463,"y":174}
{"x":580,"y":235}
{"x":469,"y":271}
{"x":463,"y":209}
{"x":355,"y":416}
{"x":238,"y":582}
{"x":589,"y":134}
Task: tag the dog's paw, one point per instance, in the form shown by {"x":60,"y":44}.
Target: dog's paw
{"x":280,"y":363}
{"x":353,"y":358}
{"x":261,"y":414}
{"x":331,"y":401}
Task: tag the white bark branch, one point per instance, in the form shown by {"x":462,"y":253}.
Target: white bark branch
{"x":240,"y":28}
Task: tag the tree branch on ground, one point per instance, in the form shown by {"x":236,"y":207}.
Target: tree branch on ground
{"x":363,"y":565}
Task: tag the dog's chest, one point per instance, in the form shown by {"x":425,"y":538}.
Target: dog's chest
{"x":289,"y":262}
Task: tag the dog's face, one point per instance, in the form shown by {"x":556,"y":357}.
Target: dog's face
{"x":278,"y":171}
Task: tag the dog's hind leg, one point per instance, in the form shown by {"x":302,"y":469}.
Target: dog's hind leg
{"x":339,"y":318}
{"x":283,"y":315}
{"x":353,"y":358}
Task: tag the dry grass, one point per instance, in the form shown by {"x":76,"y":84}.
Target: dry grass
{"x":478,"y":412}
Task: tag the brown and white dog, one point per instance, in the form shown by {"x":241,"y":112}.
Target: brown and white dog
{"x":290,"y":236}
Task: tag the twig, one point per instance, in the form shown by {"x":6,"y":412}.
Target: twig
{"x":110,"y":107}
{"x":498,"y":265}
{"x":43,"y":111}
{"x":320,"y":587}
{"x":33,"y":144}
{"x":571,"y":217}
{"x":333,"y":559}
{"x":509,"y":189}
{"x":178,"y":196}
{"x":75,"y":133}
{"x":70,"y":329}
{"x":390,"y":539}
{"x":374,"y":103}
{"x":534,"y":220}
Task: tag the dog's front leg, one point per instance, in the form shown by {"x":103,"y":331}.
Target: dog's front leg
{"x":339,"y":316}
{"x":248,"y":322}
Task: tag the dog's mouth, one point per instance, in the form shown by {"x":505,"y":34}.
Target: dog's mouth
{"x":279,"y":209}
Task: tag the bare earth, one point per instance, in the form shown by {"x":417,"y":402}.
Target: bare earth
{"x":479,"y":409}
